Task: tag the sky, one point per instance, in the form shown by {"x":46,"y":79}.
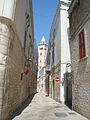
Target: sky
{"x":43,"y":14}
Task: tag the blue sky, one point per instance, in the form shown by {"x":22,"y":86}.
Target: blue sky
{"x":43,"y":13}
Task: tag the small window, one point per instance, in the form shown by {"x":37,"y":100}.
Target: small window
{"x":40,"y":61}
{"x":40,"y":53}
{"x":29,"y":36}
{"x":82,"y":49}
{"x":41,"y":48}
{"x":27,"y":20}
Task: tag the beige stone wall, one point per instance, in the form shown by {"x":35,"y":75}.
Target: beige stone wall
{"x":14,"y":90}
{"x":80,"y":19}
{"x":81,"y":73}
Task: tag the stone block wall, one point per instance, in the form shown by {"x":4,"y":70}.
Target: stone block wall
{"x":13,"y":90}
{"x":78,"y":15}
{"x":81,"y":72}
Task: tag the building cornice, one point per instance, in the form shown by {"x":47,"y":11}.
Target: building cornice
{"x":73,"y":4}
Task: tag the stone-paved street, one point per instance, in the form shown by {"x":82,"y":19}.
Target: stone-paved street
{"x":45,"y":108}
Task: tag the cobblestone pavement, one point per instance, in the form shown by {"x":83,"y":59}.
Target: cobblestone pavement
{"x":45,"y":108}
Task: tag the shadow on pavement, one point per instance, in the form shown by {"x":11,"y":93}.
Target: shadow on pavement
{"x":19,"y":110}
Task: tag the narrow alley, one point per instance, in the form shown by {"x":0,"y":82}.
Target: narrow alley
{"x":44,"y":59}
{"x":45,"y":108}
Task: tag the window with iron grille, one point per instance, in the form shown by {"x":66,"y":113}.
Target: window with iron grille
{"x":82,"y":48}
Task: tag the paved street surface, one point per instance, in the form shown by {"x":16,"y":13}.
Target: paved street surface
{"x":44,"y":108}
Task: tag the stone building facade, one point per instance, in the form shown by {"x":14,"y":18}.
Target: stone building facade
{"x":58,"y":51}
{"x":48,"y":86}
{"x":79,"y":15}
{"x":17,"y":81}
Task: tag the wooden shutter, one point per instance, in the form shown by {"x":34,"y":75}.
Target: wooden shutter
{"x":83,"y":44}
{"x":82,"y":49}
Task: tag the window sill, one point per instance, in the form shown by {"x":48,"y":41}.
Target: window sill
{"x":84,"y":58}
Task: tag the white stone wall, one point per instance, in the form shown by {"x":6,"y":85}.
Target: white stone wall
{"x":15,"y":11}
{"x":7,"y":8}
{"x":65,"y":50}
{"x":61,"y":49}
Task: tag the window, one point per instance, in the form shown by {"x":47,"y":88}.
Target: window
{"x":54,"y":33}
{"x":25,"y":40}
{"x":27,"y":20}
{"x":53,"y":44}
{"x":28,"y":53}
{"x":40,"y":53}
{"x":45,"y":49}
{"x":40,"y":61}
{"x":53,"y":56}
{"x":41,"y":48}
{"x":82,"y":49}
{"x":29,"y":36}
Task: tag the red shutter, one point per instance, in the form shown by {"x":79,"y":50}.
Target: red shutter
{"x":82,"y":50}
{"x":80,"y":46}
{"x":83,"y":42}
